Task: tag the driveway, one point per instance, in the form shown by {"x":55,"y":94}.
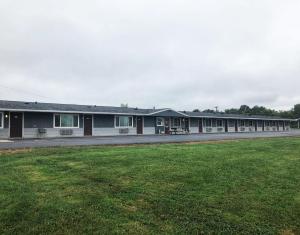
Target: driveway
{"x":123,"y":140}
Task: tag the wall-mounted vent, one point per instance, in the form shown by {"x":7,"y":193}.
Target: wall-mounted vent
{"x":208,"y":129}
{"x":66,"y":132}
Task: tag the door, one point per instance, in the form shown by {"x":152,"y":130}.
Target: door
{"x":226,"y":125}
{"x":167,"y":126}
{"x":16,"y":125}
{"x":236,"y":124}
{"x":186,"y":125}
{"x":88,"y":125}
{"x":139,"y":125}
{"x":201,"y":126}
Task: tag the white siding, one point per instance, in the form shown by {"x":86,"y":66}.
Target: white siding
{"x":231,"y":129}
{"x":149,"y":130}
{"x":194,"y":130}
{"x":4,"y":133}
{"x":213,"y":129}
{"x":51,"y":132}
{"x":111,"y":131}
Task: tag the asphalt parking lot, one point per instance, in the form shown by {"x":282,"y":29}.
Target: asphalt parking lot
{"x":147,"y":139}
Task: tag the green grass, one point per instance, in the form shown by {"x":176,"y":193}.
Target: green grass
{"x":234,"y":187}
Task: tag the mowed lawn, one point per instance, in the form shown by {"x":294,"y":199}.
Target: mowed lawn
{"x":232,"y":187}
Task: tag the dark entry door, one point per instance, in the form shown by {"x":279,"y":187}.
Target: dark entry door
{"x":139,"y":125}
{"x":88,"y":125}
{"x":226,"y":125}
{"x":201,"y":126}
{"x":167,"y":126}
{"x":16,"y":125}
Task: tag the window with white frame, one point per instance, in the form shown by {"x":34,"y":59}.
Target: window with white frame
{"x":160,"y":121}
{"x":214,"y":122}
{"x":66,"y":121}
{"x":242,"y":123}
{"x":124,"y":121}
{"x":1,"y":120}
{"x":219,"y":123}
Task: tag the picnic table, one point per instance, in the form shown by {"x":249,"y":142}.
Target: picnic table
{"x":176,"y":130}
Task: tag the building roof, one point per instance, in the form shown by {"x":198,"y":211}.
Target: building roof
{"x":54,"y":107}
{"x":22,"y":106}
{"x":233,"y":116}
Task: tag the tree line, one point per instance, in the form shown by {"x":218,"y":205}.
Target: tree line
{"x":293,"y":113}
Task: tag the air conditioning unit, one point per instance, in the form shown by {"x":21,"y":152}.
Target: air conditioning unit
{"x":208,"y":129}
{"x":123,"y":131}
{"x":220,"y":129}
{"x":66,"y":132}
{"x":42,"y":130}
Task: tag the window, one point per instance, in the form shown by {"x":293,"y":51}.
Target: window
{"x":214,"y":123}
{"x":208,"y":122}
{"x":242,"y":123}
{"x":124,"y":121}
{"x":176,"y":122}
{"x":1,"y":120}
{"x":160,"y":121}
{"x":259,"y":124}
{"x":219,"y":123}
{"x":66,"y":120}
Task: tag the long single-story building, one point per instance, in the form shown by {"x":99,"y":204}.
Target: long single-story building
{"x":44,"y":120}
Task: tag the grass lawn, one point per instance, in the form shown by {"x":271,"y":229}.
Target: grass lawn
{"x":232,"y":187}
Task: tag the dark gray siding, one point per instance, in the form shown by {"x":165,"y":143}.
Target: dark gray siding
{"x":134,"y":121}
{"x":80,"y":121}
{"x":38,"y":120}
{"x":6,"y":120}
{"x":194,"y":122}
{"x":104,"y":121}
{"x":149,"y":121}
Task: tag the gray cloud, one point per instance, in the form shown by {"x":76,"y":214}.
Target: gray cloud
{"x":181,"y":54}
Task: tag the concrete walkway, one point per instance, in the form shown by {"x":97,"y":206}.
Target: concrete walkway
{"x":122,"y":140}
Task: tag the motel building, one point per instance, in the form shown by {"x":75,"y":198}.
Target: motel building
{"x":46,"y":120}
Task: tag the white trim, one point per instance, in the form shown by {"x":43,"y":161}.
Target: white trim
{"x":120,"y":127}
{"x":163,"y":121}
{"x":163,"y":110}
{"x":2,"y":120}
{"x":69,"y":127}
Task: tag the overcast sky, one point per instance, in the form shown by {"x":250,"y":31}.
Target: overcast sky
{"x":165,"y":53}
